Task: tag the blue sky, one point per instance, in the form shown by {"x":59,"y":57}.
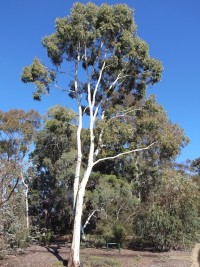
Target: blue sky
{"x":170,"y":27}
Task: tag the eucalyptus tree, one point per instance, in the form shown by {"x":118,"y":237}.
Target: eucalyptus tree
{"x":53,"y":163}
{"x":16,"y":135}
{"x":17,"y":128}
{"x":152,"y":123}
{"x":111,"y":71}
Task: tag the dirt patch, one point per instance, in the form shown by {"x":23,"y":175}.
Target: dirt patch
{"x":196,"y":256}
{"x":57,"y":255}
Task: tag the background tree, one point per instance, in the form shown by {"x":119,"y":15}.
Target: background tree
{"x":114,"y":201}
{"x":17,"y":129}
{"x":16,"y":133}
{"x":142,"y":169}
{"x":53,"y":166}
{"x":100,"y":42}
{"x":170,"y":220}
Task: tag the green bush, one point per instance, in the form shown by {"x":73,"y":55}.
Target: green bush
{"x":118,"y":233}
{"x":46,"y":237}
{"x":104,"y":229}
{"x":170,"y":220}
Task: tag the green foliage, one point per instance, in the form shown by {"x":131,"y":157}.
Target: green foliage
{"x":170,"y":218}
{"x":141,"y":126}
{"x":13,"y":229}
{"x":17,"y":129}
{"x":89,"y":36}
{"x":115,"y":202}
{"x":46,"y":237}
{"x":119,"y":233}
{"x":38,"y":74}
{"x":53,"y":159}
{"x":196,"y":165}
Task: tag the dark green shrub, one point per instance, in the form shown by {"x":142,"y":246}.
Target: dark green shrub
{"x":118,"y":233}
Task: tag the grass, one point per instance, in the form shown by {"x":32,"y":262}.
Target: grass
{"x":137,"y":258}
{"x":94,"y":261}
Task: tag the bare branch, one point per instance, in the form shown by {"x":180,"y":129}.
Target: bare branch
{"x":97,"y":84}
{"x":121,"y":114}
{"x":113,"y":84}
{"x":124,"y":153}
{"x":88,"y":221}
{"x":11,"y":192}
{"x":61,"y":88}
{"x":100,"y":138}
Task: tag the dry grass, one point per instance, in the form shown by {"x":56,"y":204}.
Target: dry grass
{"x":95,"y":261}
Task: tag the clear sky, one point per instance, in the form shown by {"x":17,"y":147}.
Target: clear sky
{"x":170,"y":27}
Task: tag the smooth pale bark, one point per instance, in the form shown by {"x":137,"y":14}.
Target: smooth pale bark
{"x":78,"y":136}
{"x":79,"y":158}
{"x":74,"y":258}
{"x":26,"y":201}
{"x":87,"y":222}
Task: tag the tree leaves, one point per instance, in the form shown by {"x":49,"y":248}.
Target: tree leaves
{"x":38,"y":74}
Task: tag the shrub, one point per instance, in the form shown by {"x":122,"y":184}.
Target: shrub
{"x":170,"y":219}
{"x":118,"y":233}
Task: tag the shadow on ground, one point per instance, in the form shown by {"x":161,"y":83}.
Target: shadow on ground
{"x":54,"y":250}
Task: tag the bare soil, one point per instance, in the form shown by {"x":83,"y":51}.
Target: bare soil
{"x":57,"y":255}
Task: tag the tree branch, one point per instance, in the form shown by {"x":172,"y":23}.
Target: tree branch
{"x":100,"y":138}
{"x":121,"y":114}
{"x":88,"y":221}
{"x":123,"y":153}
{"x":11,"y":192}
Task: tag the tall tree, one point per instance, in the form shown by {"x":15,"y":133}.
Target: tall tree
{"x":53,"y":164}
{"x":17,"y":128}
{"x":111,"y":70}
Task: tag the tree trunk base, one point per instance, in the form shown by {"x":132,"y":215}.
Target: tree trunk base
{"x":71,"y":262}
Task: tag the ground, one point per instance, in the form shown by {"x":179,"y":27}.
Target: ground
{"x":56,"y":255}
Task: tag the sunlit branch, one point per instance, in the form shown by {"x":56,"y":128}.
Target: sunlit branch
{"x":100,"y":138}
{"x":118,"y":115}
{"x":97,"y":84}
{"x":123,"y":153}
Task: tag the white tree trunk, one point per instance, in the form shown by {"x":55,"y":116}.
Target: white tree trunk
{"x":26,"y":201}
{"x":27,"y":208}
{"x":79,"y":158}
{"x":74,"y":257}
